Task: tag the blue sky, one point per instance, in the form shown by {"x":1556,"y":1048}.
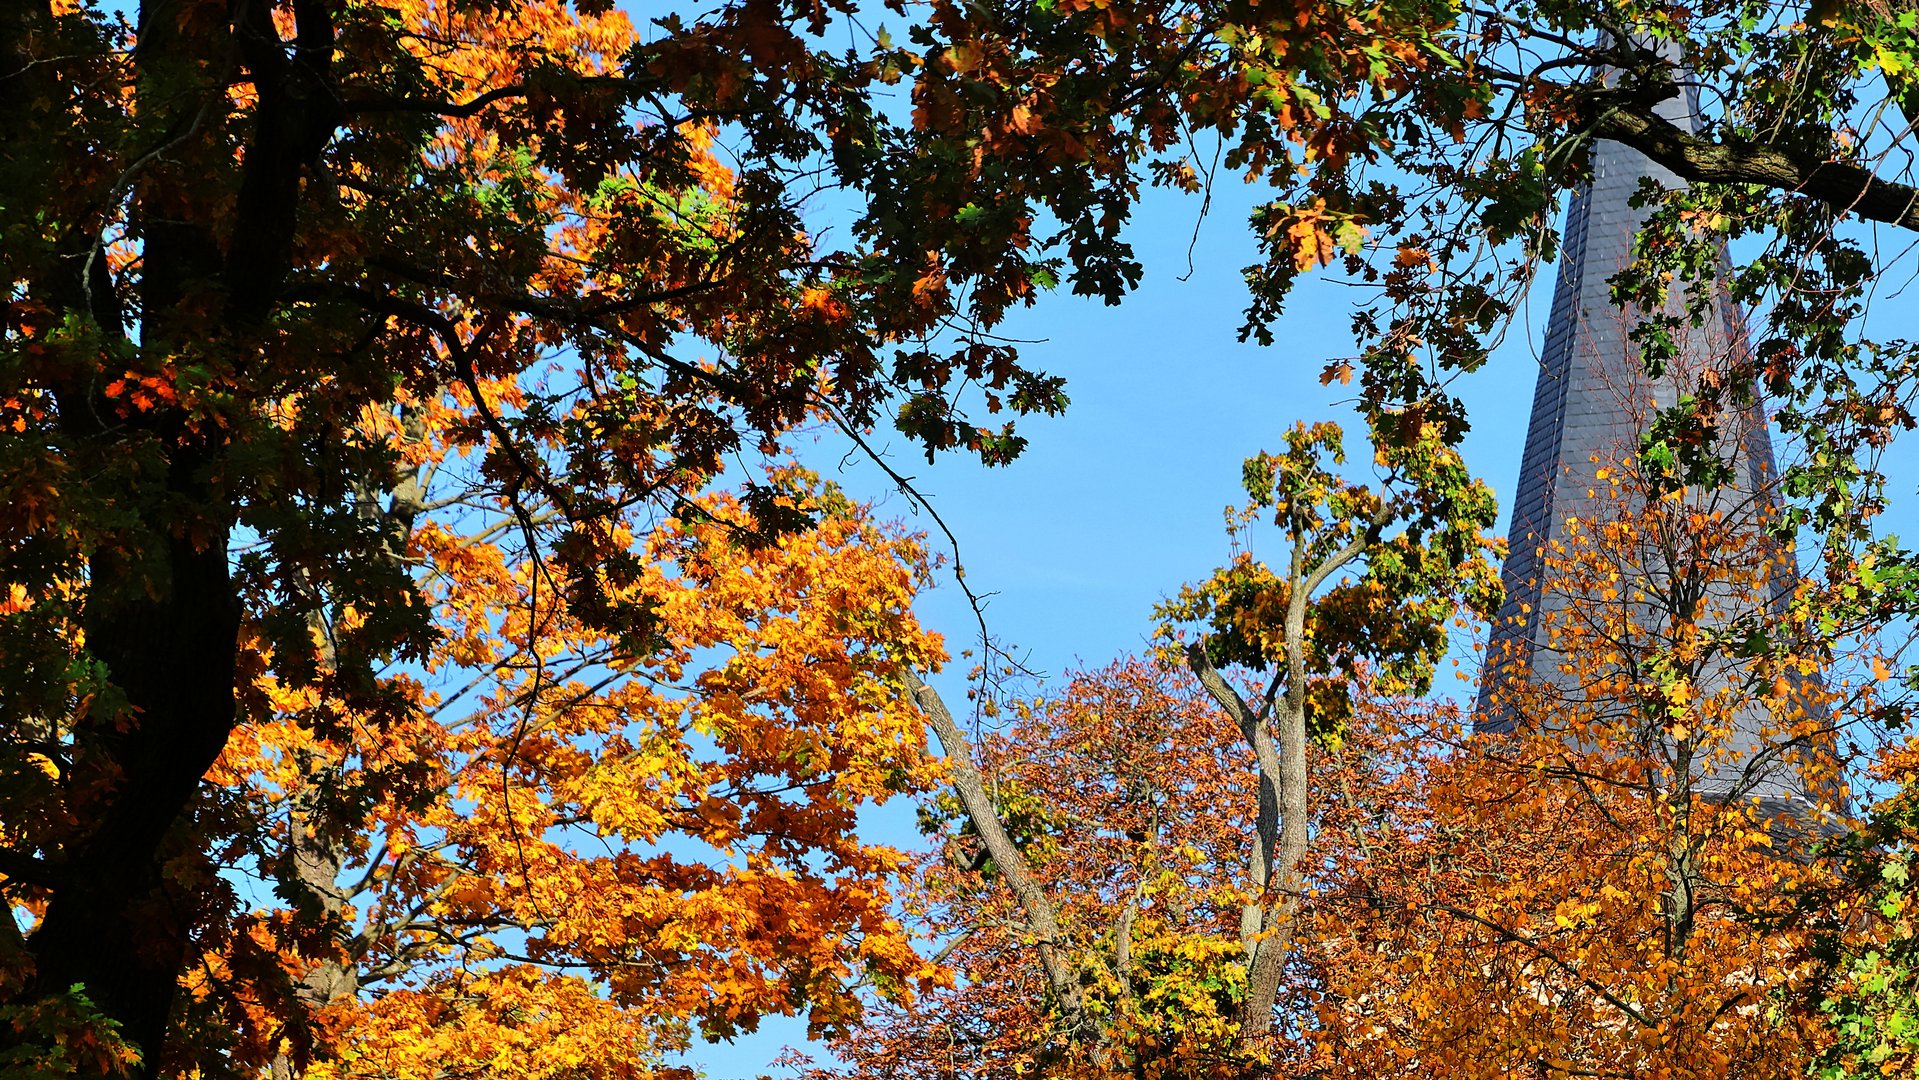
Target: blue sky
{"x":1118,"y":502}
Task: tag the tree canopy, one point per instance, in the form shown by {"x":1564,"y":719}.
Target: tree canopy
{"x":422,"y":655}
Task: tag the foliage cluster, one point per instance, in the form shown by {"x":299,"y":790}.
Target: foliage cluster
{"x":394,"y":401}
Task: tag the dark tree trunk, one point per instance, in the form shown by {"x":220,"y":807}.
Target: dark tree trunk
{"x":113,"y":925}
{"x":161,"y":614}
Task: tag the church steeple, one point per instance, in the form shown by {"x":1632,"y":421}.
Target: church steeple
{"x":1592,"y":401}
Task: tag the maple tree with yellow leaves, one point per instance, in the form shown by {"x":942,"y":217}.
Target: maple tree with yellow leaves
{"x":427,"y":659}
{"x":569,"y":831}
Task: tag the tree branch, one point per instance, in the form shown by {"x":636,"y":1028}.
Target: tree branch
{"x":28,"y":869}
{"x":1844,"y":186}
{"x":1552,"y":958}
{"x":1041,"y":916}
{"x":1252,"y":917}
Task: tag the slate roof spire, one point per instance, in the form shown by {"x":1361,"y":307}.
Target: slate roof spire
{"x":1591,"y":403}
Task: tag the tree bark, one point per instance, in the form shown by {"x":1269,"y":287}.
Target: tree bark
{"x":115,"y":925}
{"x":1267,"y":921}
{"x":1042,"y":917}
{"x":161,"y":614}
{"x":1847,"y":188}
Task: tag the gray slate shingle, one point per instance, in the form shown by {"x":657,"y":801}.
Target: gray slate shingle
{"x":1590,"y":404}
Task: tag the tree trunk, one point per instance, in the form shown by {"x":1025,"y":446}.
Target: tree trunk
{"x":115,"y":926}
{"x":1268,"y":965}
{"x":160,"y":614}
